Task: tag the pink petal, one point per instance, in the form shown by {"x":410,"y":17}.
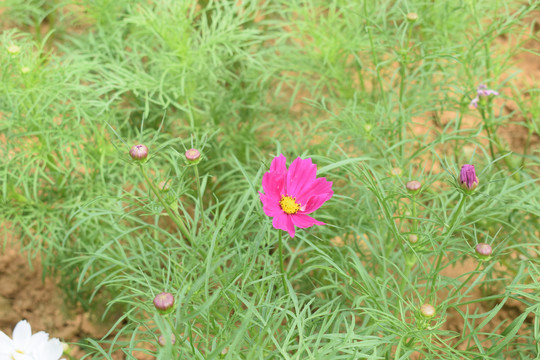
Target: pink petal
{"x":315,"y":202}
{"x":304,"y":221}
{"x":270,"y":205}
{"x":279,"y":164}
{"x":301,"y":175}
{"x":284,"y":222}
{"x":274,"y":184}
{"x":317,"y":187}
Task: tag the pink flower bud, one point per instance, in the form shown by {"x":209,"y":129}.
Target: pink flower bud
{"x":138,"y":152}
{"x":413,"y":186}
{"x":164,"y":302}
{"x":467,"y":178}
{"x":483,"y":250}
{"x":193,"y":155}
{"x":413,"y":239}
{"x":427,"y":310}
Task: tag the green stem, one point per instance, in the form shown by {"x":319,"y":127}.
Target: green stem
{"x":415,"y":220}
{"x":464,"y":282}
{"x":281,"y":264}
{"x":447,"y":234}
{"x":455,"y":217}
{"x":488,"y":130}
{"x":199,"y":194}
{"x":174,"y":217}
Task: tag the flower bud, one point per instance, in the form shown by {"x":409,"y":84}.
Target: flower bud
{"x":413,"y":186}
{"x":467,"y":178}
{"x":427,"y":310}
{"x":412,"y":17}
{"x":413,"y":239}
{"x":138,"y":152}
{"x":193,"y":156}
{"x":161,"y":340}
{"x":164,"y":302}
{"x":396,"y":171}
{"x":164,"y":186}
{"x":483,"y":250}
{"x":14,"y":49}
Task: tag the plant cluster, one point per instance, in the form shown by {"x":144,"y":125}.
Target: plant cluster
{"x":141,"y":161}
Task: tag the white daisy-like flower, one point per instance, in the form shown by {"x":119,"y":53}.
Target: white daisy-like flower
{"x":25,"y":346}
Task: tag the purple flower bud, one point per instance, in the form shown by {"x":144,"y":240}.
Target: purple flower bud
{"x":193,"y":155}
{"x":138,"y":152}
{"x":161,"y":340}
{"x":164,"y":302}
{"x":483,"y":250}
{"x":427,"y":310}
{"x":413,"y":186}
{"x":467,"y":178}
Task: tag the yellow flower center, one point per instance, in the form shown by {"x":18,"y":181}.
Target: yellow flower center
{"x":289,"y":204}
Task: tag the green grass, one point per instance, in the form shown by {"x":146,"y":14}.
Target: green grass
{"x":343,"y":82}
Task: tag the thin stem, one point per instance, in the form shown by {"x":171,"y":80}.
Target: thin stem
{"x":455,"y":217}
{"x":415,"y":220}
{"x":464,"y":282}
{"x":199,"y":194}
{"x":281,"y":264}
{"x":447,"y":234}
{"x":179,"y":223}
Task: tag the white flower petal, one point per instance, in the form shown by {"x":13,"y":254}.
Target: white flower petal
{"x":54,"y":349}
{"x":22,"y":334}
{"x":19,"y":356}
{"x":37,"y":339}
{"x":6,"y":344}
{"x":51,"y":350}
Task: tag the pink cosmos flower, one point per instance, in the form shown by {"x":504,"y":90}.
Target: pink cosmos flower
{"x":291,"y":194}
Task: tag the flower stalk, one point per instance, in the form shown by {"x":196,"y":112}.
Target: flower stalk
{"x":281,"y":263}
{"x":174,"y":217}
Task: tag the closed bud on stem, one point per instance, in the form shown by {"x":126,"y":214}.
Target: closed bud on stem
{"x":413,"y":186}
{"x":413,"y":239}
{"x":162,"y":341}
{"x":467,"y":178}
{"x":138,"y":152}
{"x":164,"y":302}
{"x":427,"y":310}
{"x":412,"y":17}
{"x":193,"y":156}
{"x":483,"y":250}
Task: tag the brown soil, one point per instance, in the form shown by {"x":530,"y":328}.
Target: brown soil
{"x":24,"y":294}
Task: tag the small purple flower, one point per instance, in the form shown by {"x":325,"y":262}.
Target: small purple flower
{"x":467,"y":177}
{"x":474,"y":103}
{"x":482,"y":92}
